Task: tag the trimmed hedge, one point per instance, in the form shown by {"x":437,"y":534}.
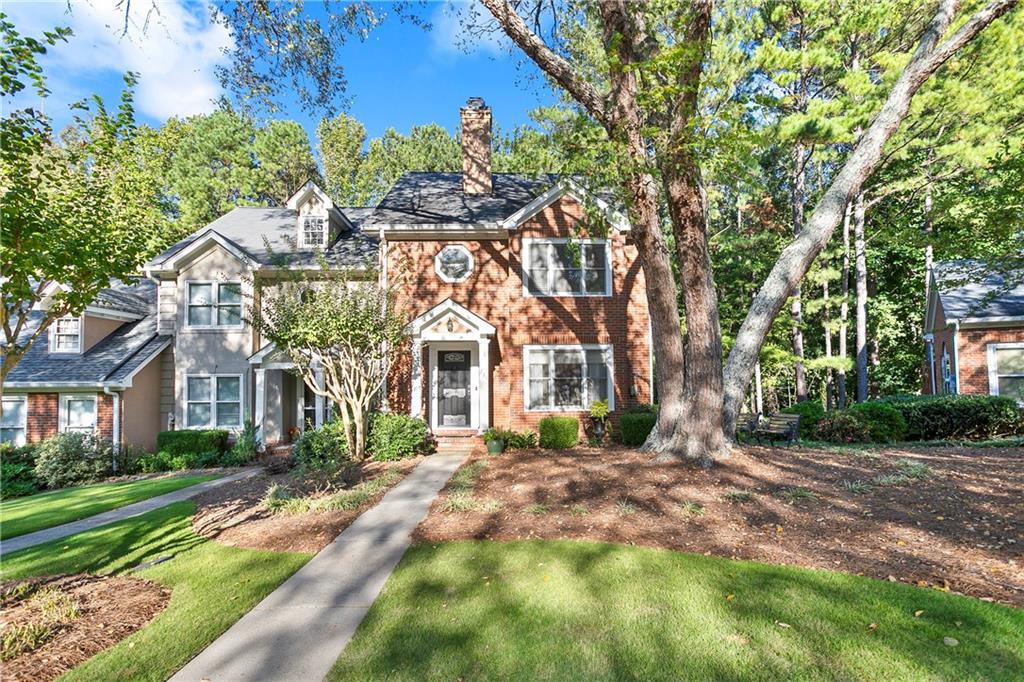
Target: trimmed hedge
{"x":810,"y":411}
{"x":634,"y":426}
{"x":396,"y":436}
{"x":948,"y":417}
{"x":559,"y":432}
{"x":843,"y":426}
{"x":885,"y":423}
{"x":192,"y":441}
{"x":73,"y":459}
{"x":17,"y":471}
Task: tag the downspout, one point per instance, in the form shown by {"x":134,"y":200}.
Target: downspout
{"x":956,"y":357}
{"x":115,"y":434}
{"x":929,"y":339}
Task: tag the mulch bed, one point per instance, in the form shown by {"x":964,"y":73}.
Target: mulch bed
{"x":232,"y":515}
{"x":959,"y":529}
{"x":109,"y":608}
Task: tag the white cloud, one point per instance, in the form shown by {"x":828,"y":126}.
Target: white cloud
{"x":448,"y":33}
{"x":171,"y":44}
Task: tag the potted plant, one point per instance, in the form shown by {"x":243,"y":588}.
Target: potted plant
{"x":599,"y":419}
{"x":495,"y":441}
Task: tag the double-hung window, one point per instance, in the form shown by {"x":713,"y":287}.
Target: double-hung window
{"x":12,"y":421}
{"x":1006,"y":370}
{"x":314,"y":230}
{"x":213,"y":401}
{"x":214,"y":304}
{"x":66,"y":335}
{"x":567,"y":377}
{"x":77,"y":413}
{"x":564,"y":267}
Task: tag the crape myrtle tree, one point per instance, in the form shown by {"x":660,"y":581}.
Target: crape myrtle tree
{"x":347,"y":331}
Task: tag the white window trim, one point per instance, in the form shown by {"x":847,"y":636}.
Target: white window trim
{"x":993,"y":369}
{"x":62,"y":419}
{"x":212,"y":402}
{"x":609,"y":359}
{"x":440,"y":272}
{"x":23,"y":427}
{"x":53,"y":336}
{"x":216,"y":303}
{"x":302,"y":230}
{"x":527,"y":242}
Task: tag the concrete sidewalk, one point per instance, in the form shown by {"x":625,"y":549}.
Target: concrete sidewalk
{"x":299,"y":630}
{"x":119,"y":514}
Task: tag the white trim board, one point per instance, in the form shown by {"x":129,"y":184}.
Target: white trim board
{"x":609,"y":356}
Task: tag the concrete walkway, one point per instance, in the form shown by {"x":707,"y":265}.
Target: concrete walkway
{"x":119,"y":514}
{"x":301,"y":628}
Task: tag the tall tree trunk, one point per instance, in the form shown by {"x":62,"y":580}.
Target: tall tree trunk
{"x":826,"y":317}
{"x":844,"y":310}
{"x":758,"y":394}
{"x":798,"y":192}
{"x":861,"y":309}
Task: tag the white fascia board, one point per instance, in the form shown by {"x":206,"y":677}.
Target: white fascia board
{"x":39,"y":385}
{"x":110,"y":314}
{"x":1001,"y":321}
{"x":468,"y":231}
{"x":127,"y":381}
{"x":566,"y":186}
{"x":482,"y":326}
{"x":202,"y":242}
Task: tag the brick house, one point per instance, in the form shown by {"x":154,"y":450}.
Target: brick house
{"x":974,"y":332}
{"x":521,"y":304}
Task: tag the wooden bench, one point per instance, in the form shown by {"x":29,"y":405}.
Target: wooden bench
{"x":778,"y":427}
{"x":747,"y":422}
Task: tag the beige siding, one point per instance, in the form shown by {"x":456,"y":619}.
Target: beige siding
{"x":95,"y":329}
{"x":167,"y":323}
{"x":141,"y":406}
{"x":167,"y":402}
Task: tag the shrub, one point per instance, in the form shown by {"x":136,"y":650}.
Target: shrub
{"x":244,"y":449}
{"x":396,"y":436}
{"x":559,"y":432}
{"x":843,"y":427}
{"x":810,"y":411}
{"x":322,"y":451}
{"x":885,"y":422}
{"x":974,"y":417}
{"x":72,"y":459}
{"x":189,"y":441}
{"x":17,"y":471}
{"x":634,"y":427}
{"x":513,"y":440}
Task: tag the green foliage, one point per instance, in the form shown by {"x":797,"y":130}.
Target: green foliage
{"x":279,"y":499}
{"x":885,"y":422}
{"x":244,"y":449}
{"x":599,"y":409}
{"x":192,"y":441}
{"x":810,"y":411}
{"x":559,"y":432}
{"x":843,"y":426}
{"x":513,"y":440}
{"x":967,"y":417}
{"x":634,"y":427}
{"x":396,"y":436}
{"x":284,"y":160}
{"x":322,"y":451}
{"x":69,"y":459}
{"x":17,"y":471}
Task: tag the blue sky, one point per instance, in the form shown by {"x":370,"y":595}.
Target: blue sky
{"x":399,"y":77}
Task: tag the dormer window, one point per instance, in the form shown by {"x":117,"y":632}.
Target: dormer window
{"x":313,"y":230}
{"x":66,"y":335}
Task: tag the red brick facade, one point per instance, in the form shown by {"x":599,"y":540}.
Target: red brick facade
{"x":494,"y":291}
{"x":43,"y":418}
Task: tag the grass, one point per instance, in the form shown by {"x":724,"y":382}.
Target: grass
{"x":279,"y":500}
{"x":538,"y":509}
{"x":464,"y":479}
{"x":625,"y":508}
{"x":28,"y":514}
{"x":565,"y":610}
{"x":797,"y":494}
{"x":691,"y":509}
{"x":738,"y":496}
{"x":212,"y":586}
{"x":858,"y":487}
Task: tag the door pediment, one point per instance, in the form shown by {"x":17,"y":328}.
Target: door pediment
{"x":450,"y":321}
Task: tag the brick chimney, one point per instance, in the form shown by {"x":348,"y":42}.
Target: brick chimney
{"x":476,"y":147}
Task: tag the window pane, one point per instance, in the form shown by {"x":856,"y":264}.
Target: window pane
{"x":81,"y":413}
{"x":228,"y":414}
{"x":1012,"y":387}
{"x":16,"y":436}
{"x":230,"y":293}
{"x":568,"y":393}
{"x":595,"y":281}
{"x":568,"y":363}
{"x":200,"y":293}
{"x":228,"y":388}
{"x":229,"y":315}
{"x":1010,"y":361}
{"x":540,"y":395}
{"x":198,"y":388}
{"x":593,"y":256}
{"x":200,"y":315}
{"x":198,"y":414}
{"x":14,"y":412}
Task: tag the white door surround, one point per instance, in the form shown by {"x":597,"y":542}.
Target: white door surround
{"x":450,"y":326}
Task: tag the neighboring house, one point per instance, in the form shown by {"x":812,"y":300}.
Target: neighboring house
{"x":517,"y":310}
{"x":974,"y":332}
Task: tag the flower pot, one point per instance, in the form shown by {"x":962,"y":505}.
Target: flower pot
{"x":598,"y":427}
{"x":495,"y":447}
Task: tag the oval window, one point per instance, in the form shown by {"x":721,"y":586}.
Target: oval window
{"x":454,"y":263}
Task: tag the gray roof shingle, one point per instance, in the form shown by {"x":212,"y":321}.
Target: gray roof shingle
{"x":969,"y":290}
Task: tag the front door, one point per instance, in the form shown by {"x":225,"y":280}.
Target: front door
{"x":453,"y":388}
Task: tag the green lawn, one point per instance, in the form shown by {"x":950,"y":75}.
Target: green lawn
{"x":45,"y":510}
{"x":212,"y":586}
{"x":563,"y":610}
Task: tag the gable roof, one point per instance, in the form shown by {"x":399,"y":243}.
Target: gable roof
{"x":970,"y":293}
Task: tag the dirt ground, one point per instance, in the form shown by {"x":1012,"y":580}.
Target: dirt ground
{"x":105,"y":611}
{"x":231,"y":514}
{"x":958,"y":529}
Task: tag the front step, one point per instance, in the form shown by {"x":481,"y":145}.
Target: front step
{"x":460,"y":442}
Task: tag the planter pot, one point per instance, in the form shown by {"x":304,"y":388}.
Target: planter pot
{"x":598,"y":428}
{"x":495,"y":447}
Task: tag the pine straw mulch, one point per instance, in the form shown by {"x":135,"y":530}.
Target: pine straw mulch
{"x":74,"y":617}
{"x":231,"y":514}
{"x":957,"y":528}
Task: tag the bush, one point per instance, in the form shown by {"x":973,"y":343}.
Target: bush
{"x":322,"y":451}
{"x":810,"y":411}
{"x":559,"y":432}
{"x":971,"y":417}
{"x":884,"y":421}
{"x":17,"y":471}
{"x":844,"y":426}
{"x":396,"y":436}
{"x":635,"y":426}
{"x":73,"y":459}
{"x":189,"y":441}
{"x":244,"y":449}
{"x":513,"y":440}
